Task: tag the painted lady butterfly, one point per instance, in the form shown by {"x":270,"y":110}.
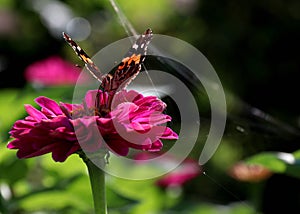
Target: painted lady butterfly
{"x":125,"y":72}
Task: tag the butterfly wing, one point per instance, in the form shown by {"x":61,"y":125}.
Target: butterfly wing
{"x":130,"y":65}
{"x":89,"y":64}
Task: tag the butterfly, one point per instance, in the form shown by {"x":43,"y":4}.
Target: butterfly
{"x":118,"y":78}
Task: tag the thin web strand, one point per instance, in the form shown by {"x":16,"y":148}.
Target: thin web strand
{"x":130,"y":31}
{"x":225,"y":189}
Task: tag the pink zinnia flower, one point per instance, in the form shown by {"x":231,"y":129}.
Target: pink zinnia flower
{"x":186,"y":171}
{"x":52,"y":71}
{"x":134,"y":121}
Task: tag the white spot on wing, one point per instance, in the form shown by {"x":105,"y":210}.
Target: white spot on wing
{"x":135,"y":46}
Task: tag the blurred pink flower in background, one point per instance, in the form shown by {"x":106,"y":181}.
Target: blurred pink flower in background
{"x":186,"y":171}
{"x":59,"y":128}
{"x":52,"y":71}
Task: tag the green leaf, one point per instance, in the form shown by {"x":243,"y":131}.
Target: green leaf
{"x":60,"y":195}
{"x":269,"y":160}
{"x":116,"y":200}
{"x":12,"y":169}
{"x":150,"y":198}
{"x":278,"y":162}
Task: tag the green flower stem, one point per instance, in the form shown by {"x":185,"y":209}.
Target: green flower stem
{"x":97,"y":179}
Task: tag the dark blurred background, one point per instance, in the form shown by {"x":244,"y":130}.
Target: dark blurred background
{"x":252,"y":45}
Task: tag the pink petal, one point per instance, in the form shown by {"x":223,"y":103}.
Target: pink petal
{"x":156,"y":146}
{"x":28,"y":152}
{"x":50,"y":106}
{"x":90,"y":98}
{"x":169,"y":134}
{"x":33,"y":112}
{"x":118,"y":145}
{"x":60,"y":154}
